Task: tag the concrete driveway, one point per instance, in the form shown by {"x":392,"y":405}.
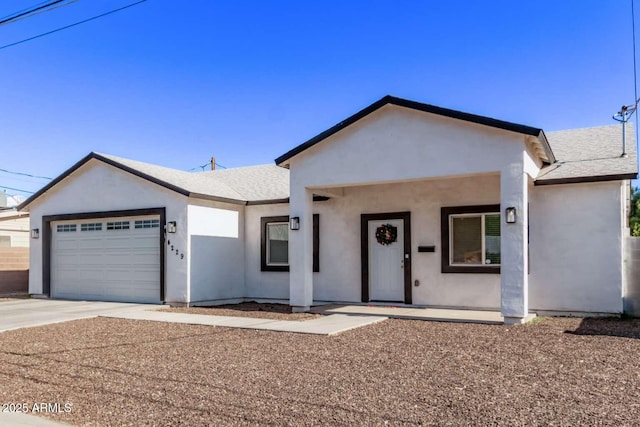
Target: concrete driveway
{"x":26,"y":313}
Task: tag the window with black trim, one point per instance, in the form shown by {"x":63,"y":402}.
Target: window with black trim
{"x":147,"y":223}
{"x":274,"y":244}
{"x":66,"y":228}
{"x":91,"y":226}
{"x":471,"y":239}
{"x":118,"y":225}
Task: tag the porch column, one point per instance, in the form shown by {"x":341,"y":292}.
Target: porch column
{"x":514,"y":270}
{"x":301,"y":250}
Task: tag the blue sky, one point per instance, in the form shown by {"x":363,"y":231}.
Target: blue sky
{"x":174,"y":83}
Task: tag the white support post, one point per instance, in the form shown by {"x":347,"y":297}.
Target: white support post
{"x":514,"y":270}
{"x":301,"y":250}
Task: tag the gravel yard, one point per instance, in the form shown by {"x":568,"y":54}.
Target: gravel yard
{"x":247,"y":309}
{"x":397,"y":372}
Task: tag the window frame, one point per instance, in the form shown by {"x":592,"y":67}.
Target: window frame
{"x":446,"y":215}
{"x":267,"y":246}
{"x":90,"y":226}
{"x":66,"y":228}
{"x":265,"y":221}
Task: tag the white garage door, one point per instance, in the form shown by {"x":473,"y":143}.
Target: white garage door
{"x":106,"y":259}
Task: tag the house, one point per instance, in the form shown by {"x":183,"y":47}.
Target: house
{"x":402,"y":202}
{"x":14,"y":250}
{"x":14,"y":228}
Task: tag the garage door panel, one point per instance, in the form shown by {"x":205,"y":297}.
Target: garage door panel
{"x":106,"y":264}
{"x":94,"y":243}
{"x":70,"y":245}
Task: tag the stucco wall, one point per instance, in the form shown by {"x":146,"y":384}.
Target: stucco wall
{"x":339,"y":278}
{"x":340,"y":266}
{"x":396,"y":143}
{"x":97,"y":187}
{"x":632,"y":276}
{"x":259,"y":284}
{"x":216,"y":240}
{"x":576,"y":247}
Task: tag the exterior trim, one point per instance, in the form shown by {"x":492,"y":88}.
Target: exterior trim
{"x":316,"y":198}
{"x":103,"y":159}
{"x":444,"y":235}
{"x":577,"y":180}
{"x":263,"y":243}
{"x":364,"y":251}
{"x":473,"y":118}
{"x":47,"y":237}
{"x":151,"y":179}
{"x":134,"y":172}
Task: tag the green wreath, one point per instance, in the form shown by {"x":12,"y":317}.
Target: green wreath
{"x":386,"y":234}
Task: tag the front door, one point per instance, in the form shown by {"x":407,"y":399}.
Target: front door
{"x":386,"y":254}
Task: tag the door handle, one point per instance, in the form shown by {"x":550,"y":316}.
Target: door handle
{"x":402,"y":264}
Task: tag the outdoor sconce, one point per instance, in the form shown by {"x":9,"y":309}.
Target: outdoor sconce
{"x":35,"y":233}
{"x":171,"y":227}
{"x":294,"y":223}
{"x":510,"y":214}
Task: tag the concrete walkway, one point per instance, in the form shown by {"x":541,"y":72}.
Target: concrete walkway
{"x":326,"y":325}
{"x":26,"y":313}
{"x":401,"y":312}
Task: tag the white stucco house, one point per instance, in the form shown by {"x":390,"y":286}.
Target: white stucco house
{"x":402,"y":202}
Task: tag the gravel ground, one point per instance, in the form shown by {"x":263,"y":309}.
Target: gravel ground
{"x":398,"y":372}
{"x":248,"y":309}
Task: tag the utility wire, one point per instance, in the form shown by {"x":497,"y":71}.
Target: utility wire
{"x":73,"y":25}
{"x":17,"y":189}
{"x":23,"y":10}
{"x":17,"y":16}
{"x":206,"y":165}
{"x":25,"y":174}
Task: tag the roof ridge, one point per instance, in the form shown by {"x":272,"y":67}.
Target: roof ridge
{"x":241,"y":197}
{"x":588,"y":128}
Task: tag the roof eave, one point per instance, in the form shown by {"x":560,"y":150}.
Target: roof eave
{"x":547,"y":147}
{"x":217,"y":199}
{"x":108,"y":161}
{"x":584,"y":179}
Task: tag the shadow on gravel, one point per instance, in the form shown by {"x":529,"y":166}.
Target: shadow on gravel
{"x":609,"y":326}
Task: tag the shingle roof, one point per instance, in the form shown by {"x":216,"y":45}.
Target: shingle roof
{"x":246,"y":185}
{"x":590,"y":154}
{"x":583,"y":155}
{"x":192,"y":183}
{"x":255,"y":183}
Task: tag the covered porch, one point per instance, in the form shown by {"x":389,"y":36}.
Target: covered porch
{"x":423,"y":177}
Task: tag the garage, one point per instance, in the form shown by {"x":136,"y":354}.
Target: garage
{"x":107,"y":259}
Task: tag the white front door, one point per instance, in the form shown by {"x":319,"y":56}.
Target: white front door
{"x":386,"y":263}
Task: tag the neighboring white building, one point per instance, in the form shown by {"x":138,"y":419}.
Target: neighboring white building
{"x":14,"y":228}
{"x":402,"y":202}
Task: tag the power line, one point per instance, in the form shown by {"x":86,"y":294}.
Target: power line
{"x":206,"y":165}
{"x":73,"y":25}
{"x":25,"y":174}
{"x":23,"y":10}
{"x":17,"y":189}
{"x":23,"y":14}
